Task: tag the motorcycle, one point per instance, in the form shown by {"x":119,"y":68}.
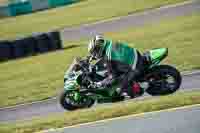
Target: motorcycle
{"x":79,"y":90}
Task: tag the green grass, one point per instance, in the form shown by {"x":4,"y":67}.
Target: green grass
{"x":83,"y":12}
{"x":102,"y":112}
{"x":40,"y":77}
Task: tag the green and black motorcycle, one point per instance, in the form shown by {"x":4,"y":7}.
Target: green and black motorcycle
{"x":82,"y":74}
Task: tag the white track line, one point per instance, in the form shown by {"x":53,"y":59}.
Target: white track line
{"x":133,"y":14}
{"x":122,"y":117}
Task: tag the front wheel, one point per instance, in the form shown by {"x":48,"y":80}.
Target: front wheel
{"x":70,"y":101}
{"x":164,"y":80}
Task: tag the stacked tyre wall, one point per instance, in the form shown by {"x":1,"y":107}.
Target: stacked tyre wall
{"x":28,"y":46}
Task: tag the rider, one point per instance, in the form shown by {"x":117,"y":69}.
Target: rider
{"x":124,"y":63}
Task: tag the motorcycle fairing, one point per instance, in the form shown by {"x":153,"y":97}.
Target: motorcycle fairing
{"x":157,"y":55}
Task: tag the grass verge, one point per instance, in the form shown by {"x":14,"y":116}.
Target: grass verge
{"x":103,"y":112}
{"x":39,"y":77}
{"x":84,"y":12}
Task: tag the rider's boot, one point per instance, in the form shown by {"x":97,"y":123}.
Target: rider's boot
{"x":122,"y":93}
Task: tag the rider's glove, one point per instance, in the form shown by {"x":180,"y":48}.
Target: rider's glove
{"x":96,"y":85}
{"x":99,"y":84}
{"x":103,"y":84}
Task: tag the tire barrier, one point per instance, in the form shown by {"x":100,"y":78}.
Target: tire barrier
{"x":24,"y":47}
{"x":30,"y":48}
{"x":55,"y":42}
{"x":18,"y":49}
{"x":43,"y":43}
{"x":35,"y":44}
{"x":5,"y":50}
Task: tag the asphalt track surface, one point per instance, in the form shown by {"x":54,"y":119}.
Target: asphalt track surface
{"x":49,"y":107}
{"x":132,"y":20}
{"x":185,"y":120}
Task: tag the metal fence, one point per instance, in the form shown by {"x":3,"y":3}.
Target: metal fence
{"x":18,"y":7}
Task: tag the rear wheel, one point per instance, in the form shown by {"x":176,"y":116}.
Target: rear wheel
{"x":164,"y":80}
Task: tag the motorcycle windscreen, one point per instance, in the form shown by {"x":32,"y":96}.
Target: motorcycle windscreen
{"x":71,"y":85}
{"x":157,"y":55}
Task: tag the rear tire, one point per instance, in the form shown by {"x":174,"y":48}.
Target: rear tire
{"x":164,"y":71}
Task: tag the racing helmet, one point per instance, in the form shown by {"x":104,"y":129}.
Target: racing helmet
{"x":95,"y":47}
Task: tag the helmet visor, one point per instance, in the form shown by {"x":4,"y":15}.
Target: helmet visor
{"x":99,"y":42}
{"x":96,"y":51}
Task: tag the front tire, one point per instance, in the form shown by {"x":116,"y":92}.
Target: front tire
{"x":68,"y":104}
{"x":158,"y":78}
